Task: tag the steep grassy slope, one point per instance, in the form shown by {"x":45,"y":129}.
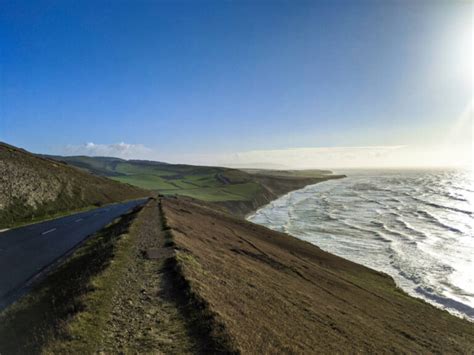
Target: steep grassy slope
{"x":240,"y":192}
{"x":273,"y":293}
{"x":33,"y":187}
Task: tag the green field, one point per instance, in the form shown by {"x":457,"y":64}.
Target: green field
{"x":205,"y":187}
{"x":213,"y":184}
{"x":206,"y":183}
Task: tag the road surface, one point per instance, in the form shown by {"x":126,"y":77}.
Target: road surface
{"x":26,"y":251}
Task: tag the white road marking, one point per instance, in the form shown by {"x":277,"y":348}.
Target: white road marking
{"x":48,"y":231}
{"x":78,"y":220}
{"x":4,"y":230}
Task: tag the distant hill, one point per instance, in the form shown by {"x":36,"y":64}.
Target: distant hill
{"x":103,"y":166}
{"x":33,"y":187}
{"x":238,"y":191}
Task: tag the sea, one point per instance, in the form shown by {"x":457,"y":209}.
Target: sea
{"x":414,"y":225}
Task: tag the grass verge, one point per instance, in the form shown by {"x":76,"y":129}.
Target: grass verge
{"x":42,"y":316}
{"x":39,"y":217}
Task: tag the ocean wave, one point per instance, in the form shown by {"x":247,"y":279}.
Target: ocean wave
{"x":364,"y":186}
{"x":456,"y":197}
{"x":358,"y":228}
{"x":440,"y":206}
{"x":411,"y":229}
{"x":433,"y":219}
{"x":396,"y":233}
{"x":446,"y":302}
{"x":405,"y":224}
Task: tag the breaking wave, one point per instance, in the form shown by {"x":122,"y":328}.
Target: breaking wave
{"x":416,"y":226}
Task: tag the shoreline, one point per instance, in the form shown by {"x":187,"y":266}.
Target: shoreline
{"x":329,"y":177}
{"x":254,"y":212}
{"x":415,"y":292}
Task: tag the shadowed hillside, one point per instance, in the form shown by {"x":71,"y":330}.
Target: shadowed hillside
{"x":33,"y":187}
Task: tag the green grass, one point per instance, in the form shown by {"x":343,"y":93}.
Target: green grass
{"x":213,"y":184}
{"x":146,"y":181}
{"x":134,"y":169}
{"x":314,"y":173}
{"x":205,"y":183}
{"x":235,"y":192}
{"x":14,"y":223}
{"x":42,"y":315}
{"x":153,"y":175}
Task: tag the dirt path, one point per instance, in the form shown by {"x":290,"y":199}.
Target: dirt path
{"x":145,"y":317}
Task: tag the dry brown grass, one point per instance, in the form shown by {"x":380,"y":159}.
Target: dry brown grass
{"x":272,"y":293}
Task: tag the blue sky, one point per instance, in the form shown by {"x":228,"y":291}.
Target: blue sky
{"x":213,"y":82}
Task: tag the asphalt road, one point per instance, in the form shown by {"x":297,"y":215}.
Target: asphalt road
{"x":26,"y":251}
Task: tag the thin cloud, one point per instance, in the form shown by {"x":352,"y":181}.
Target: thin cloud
{"x":293,"y":158}
{"x":118,"y":150}
{"x":323,"y":157}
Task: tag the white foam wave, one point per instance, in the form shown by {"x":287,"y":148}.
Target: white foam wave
{"x":415,"y":226}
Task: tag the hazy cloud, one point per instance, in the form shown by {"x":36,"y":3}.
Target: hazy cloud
{"x":294,"y":158}
{"x":118,"y":150}
{"x":323,"y":157}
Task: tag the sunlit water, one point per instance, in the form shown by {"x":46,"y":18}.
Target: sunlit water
{"x":416,"y":226}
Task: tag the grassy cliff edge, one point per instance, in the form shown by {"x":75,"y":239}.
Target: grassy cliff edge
{"x":269,"y":292}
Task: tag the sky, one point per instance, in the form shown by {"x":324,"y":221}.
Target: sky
{"x":296,"y":84}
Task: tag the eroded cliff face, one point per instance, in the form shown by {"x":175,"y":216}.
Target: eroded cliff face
{"x":20,"y":181}
{"x":32,"y":186}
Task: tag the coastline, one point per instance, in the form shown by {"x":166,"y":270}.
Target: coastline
{"x":238,"y":267}
{"x":459,"y":310}
{"x":270,"y":193}
{"x":254,"y":212}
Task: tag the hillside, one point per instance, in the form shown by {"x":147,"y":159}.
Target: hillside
{"x":239,"y":192}
{"x":33,"y":187}
{"x":273,"y":293}
{"x":180,"y":277}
